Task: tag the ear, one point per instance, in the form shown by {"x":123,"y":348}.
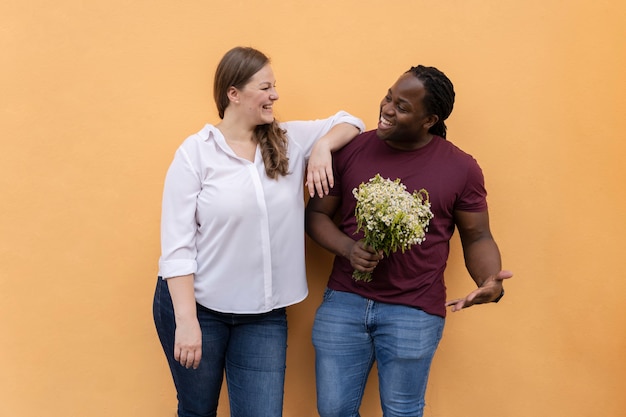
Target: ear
{"x":430,"y":121}
{"x":233,"y":94}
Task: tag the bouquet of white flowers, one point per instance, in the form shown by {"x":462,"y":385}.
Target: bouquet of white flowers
{"x":390,"y":217}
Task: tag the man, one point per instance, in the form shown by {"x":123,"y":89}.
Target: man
{"x":397,"y":319}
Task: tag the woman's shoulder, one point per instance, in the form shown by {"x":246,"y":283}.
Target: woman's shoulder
{"x":207,"y":133}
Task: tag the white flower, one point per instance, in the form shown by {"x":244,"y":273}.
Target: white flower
{"x":391,"y":218}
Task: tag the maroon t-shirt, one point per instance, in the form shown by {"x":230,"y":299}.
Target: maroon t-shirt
{"x":454,"y":181}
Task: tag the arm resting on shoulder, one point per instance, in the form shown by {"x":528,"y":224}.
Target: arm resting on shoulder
{"x":482,"y":259}
{"x":320,"y":171}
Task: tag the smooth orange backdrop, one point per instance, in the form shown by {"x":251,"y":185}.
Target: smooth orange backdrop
{"x":95,"y":96}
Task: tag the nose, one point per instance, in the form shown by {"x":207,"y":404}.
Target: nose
{"x":386,"y":107}
{"x":274,"y":94}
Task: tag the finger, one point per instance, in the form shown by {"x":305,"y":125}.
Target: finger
{"x":310,"y":183}
{"x":325,"y":186}
{"x":456,"y":305}
{"x":176,"y":353}
{"x":360,"y":267}
{"x":368,"y":251}
{"x":191,"y":360}
{"x":181,"y":355}
{"x":188,"y":359}
{"x":369,"y":265}
{"x":361,"y":263}
{"x":314,"y":183}
{"x":311,"y":188}
{"x":326,"y":179}
{"x":452,"y":302}
{"x":330,"y":177}
{"x":502,"y":275}
{"x":196,"y":360}
{"x":321,"y":184}
{"x":367,"y":255}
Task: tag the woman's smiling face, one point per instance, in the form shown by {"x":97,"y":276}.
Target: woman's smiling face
{"x":257,"y":97}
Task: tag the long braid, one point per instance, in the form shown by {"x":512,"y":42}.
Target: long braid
{"x":273,"y":142}
{"x":439,"y":98}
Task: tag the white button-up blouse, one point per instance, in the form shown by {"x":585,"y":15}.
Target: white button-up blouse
{"x":238,"y":231}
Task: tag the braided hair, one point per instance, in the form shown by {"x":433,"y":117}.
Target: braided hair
{"x":439,"y":98}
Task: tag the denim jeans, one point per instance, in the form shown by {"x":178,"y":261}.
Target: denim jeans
{"x":351,"y":332}
{"x":249,"y":348}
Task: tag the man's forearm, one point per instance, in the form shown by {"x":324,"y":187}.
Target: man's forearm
{"x":482,"y":259}
{"x":325,"y":233}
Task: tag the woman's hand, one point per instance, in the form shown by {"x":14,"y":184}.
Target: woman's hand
{"x":188,"y":343}
{"x":188,"y":336}
{"x":319,"y":175}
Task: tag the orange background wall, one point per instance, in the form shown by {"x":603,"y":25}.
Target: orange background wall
{"x":95,"y":96}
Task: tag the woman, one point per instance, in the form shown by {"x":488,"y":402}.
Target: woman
{"x":232,"y":241}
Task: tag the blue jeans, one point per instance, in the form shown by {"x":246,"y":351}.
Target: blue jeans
{"x":351,"y":332}
{"x":249,"y":348}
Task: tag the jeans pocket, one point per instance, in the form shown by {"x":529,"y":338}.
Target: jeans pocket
{"x":328,"y":294}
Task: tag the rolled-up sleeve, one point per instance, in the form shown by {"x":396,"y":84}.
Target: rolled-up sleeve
{"x":178,"y":217}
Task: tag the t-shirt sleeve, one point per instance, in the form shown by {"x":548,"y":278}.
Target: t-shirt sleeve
{"x":473,"y":198}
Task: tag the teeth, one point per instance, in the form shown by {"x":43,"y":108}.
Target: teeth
{"x":267,"y":107}
{"x":385,"y":121}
